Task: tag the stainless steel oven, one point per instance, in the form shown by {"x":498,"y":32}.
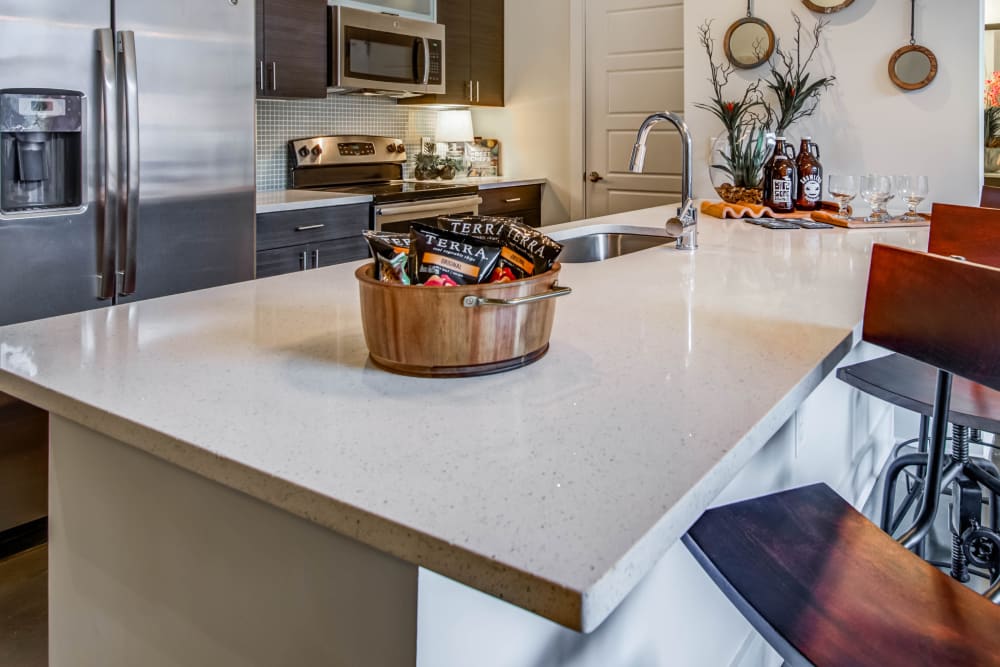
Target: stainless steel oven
{"x":398,"y":217}
{"x":370,"y":165}
{"x":385,"y":54}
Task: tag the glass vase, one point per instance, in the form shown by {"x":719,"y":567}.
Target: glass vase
{"x":737,"y":164}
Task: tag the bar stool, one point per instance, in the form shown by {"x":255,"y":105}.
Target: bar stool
{"x":990,"y":197}
{"x":974,"y":234}
{"x":821,"y":583}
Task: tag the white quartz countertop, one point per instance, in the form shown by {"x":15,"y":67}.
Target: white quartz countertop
{"x":557,"y":486}
{"x":293,"y":200}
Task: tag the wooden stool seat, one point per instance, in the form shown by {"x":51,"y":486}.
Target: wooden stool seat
{"x":910,"y":384}
{"x":820,"y":581}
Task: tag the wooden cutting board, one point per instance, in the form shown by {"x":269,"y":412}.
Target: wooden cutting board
{"x":859,"y":223}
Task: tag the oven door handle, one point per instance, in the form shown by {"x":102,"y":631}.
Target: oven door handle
{"x":400,"y":212}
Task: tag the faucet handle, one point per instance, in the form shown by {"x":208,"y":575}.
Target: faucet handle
{"x":684,"y":226}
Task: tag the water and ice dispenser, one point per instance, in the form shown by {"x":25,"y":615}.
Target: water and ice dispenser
{"x":41,"y":150}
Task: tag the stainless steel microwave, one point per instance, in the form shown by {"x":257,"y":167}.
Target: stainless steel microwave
{"x":385,"y":54}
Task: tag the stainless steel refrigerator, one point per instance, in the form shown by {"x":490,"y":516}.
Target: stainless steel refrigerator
{"x":126,"y":160}
{"x":126,"y":151}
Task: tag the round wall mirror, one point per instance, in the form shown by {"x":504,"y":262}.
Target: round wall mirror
{"x":827,"y":6}
{"x":913,"y":67}
{"x":749,"y":43}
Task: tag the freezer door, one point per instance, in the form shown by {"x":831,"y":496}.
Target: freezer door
{"x":187,"y":73}
{"x":50,"y":262}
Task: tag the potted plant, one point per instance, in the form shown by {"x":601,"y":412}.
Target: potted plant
{"x":426,"y":167}
{"x":739,"y":154}
{"x":448,"y":168}
{"x":796,"y":94}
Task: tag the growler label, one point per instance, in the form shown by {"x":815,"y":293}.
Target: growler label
{"x":781,"y":191}
{"x":812,"y":187}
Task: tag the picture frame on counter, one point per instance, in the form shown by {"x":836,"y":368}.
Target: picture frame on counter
{"x":482,"y":157}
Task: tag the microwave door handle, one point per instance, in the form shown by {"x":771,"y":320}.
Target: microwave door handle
{"x":426,"y":69}
{"x":107,"y":201}
{"x":129,"y":219}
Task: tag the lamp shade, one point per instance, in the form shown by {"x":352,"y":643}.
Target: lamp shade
{"x":454,"y":125}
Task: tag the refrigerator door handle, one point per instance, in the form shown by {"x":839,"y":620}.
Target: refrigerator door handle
{"x":129,"y":198}
{"x":107,"y":164}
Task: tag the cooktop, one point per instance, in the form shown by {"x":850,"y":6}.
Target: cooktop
{"x":402,"y":191}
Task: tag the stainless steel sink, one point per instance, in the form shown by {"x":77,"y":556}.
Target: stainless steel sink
{"x":601,"y":246}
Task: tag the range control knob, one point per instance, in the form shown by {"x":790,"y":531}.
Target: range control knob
{"x":303,"y":152}
{"x":391,"y":148}
{"x":316,"y":151}
{"x":400,"y":148}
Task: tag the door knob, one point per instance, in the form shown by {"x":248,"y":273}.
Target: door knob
{"x":594,"y":177}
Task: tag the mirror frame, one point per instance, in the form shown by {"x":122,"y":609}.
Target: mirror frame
{"x":729,"y":36}
{"x":910,"y":48}
{"x":820,"y":9}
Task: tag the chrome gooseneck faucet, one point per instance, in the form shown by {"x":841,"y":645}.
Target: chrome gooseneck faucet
{"x":685,"y":224}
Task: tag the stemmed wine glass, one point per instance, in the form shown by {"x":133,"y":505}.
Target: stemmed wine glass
{"x":876,"y":190}
{"x":844,"y":189}
{"x":913,"y":190}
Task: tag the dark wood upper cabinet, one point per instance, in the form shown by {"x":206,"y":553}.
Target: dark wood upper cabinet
{"x":291,"y":48}
{"x":486,"y":51}
{"x":473,"y":53}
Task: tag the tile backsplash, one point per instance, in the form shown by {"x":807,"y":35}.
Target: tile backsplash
{"x":278,"y":121}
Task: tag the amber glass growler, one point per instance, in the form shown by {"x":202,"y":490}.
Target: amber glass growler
{"x":780,"y":178}
{"x":809,"y":189}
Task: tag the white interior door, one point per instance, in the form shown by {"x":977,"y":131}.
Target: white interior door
{"x":635,"y":67}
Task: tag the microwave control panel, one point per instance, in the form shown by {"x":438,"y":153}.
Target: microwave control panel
{"x":434,"y":69}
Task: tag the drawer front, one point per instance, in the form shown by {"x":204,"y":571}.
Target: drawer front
{"x":282,"y":260}
{"x":287,"y":228}
{"x":310,"y":256}
{"x":532,"y":217}
{"x":329,"y":253}
{"x":501,"y":201}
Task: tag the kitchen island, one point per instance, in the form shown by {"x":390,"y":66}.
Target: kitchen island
{"x":232,"y":482}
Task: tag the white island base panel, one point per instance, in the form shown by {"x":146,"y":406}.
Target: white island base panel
{"x":153,"y":565}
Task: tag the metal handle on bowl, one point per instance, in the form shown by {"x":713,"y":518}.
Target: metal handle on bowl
{"x":477,"y":301}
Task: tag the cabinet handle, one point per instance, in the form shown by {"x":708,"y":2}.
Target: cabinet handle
{"x":315,"y":259}
{"x":261,"y":79}
{"x":306,"y":228}
{"x":477,"y":91}
{"x":303,"y":261}
{"x":511,"y":200}
{"x":470,"y":91}
{"x":274,"y":76}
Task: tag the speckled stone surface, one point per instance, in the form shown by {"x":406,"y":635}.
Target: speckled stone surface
{"x":293,"y":200}
{"x":555,"y":487}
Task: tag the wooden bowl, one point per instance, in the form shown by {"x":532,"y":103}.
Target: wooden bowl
{"x":457,"y":331}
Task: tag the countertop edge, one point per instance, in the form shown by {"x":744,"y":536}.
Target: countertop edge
{"x":338,"y":200}
{"x":582,"y":611}
{"x":547,"y":599}
{"x":601,"y":599}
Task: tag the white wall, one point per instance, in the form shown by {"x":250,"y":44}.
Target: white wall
{"x":865,"y":123}
{"x":534,"y":127}
{"x":992,"y":11}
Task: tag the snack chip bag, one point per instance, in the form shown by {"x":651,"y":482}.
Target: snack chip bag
{"x":462,"y":259}
{"x":483,"y":227}
{"x":391,"y":251}
{"x":526,"y":251}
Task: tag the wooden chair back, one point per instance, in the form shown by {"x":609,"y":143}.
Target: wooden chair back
{"x":967,"y":231}
{"x":938,"y":310}
{"x":990,"y":197}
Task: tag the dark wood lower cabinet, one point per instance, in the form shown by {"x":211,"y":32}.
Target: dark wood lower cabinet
{"x":24,"y":456}
{"x":520,"y":201}
{"x":290,"y":241}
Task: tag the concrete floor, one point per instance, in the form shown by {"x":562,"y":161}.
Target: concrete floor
{"x":24,"y":609}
